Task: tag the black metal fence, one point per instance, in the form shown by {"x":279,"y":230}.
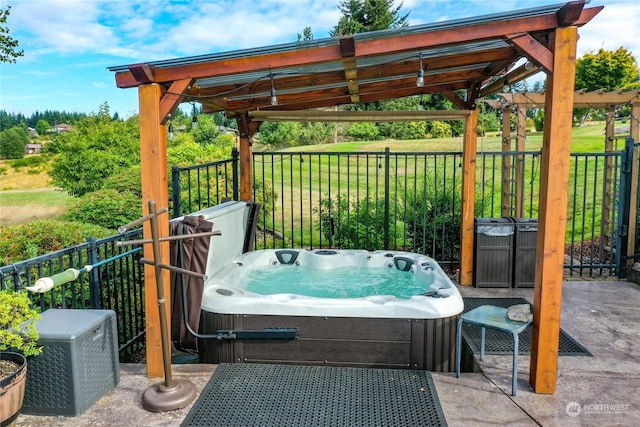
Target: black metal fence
{"x":373,"y":200}
{"x":117,"y":285}
{"x":411,"y":201}
{"x":200,"y":186}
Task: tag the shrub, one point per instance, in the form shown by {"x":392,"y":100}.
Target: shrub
{"x":18,"y":331}
{"x":106,"y":208}
{"x":441,"y":130}
{"x":538,"y":120}
{"x":31,"y":161}
{"x":359,"y":223}
{"x":280,"y":134}
{"x":29,"y":240}
{"x":408,"y":130}
{"x":362,"y":131}
{"x":434,"y":219}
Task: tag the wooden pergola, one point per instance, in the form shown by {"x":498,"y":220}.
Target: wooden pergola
{"x":464,"y":60}
{"x":518,"y":103}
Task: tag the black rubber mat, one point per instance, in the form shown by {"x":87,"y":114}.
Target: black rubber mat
{"x":497,"y":342}
{"x":246,"y":395}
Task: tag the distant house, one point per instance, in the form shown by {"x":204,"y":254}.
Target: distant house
{"x":61,"y":128}
{"x":32,"y":148}
{"x":32,"y":132}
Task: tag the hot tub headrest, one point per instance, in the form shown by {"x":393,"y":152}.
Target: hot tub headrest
{"x":403,"y":263}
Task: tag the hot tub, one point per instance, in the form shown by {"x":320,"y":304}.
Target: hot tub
{"x":362,"y":324}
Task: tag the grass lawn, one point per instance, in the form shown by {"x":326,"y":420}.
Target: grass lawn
{"x":26,"y":194}
{"x":20,"y":206}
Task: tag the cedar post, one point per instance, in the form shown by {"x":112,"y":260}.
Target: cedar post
{"x":507,"y":165}
{"x":554,"y":181}
{"x":246,"y":173}
{"x":468,"y":197}
{"x":634,"y":133}
{"x":155,"y":186}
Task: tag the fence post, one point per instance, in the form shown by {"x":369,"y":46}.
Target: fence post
{"x":624,"y":206}
{"x":175,"y":190}
{"x":386,"y":198}
{"x":94,"y":278}
{"x":235,"y":155}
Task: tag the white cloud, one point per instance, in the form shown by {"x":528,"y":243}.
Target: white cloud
{"x":69,"y":26}
{"x":616,"y":25}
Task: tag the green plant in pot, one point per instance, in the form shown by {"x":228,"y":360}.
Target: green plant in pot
{"x":18,"y":340}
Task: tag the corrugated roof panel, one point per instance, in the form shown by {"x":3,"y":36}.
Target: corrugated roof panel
{"x":285,"y":47}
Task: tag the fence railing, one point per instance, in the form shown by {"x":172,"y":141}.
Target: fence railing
{"x":117,"y":285}
{"x":372,"y":200}
{"x":199,"y":186}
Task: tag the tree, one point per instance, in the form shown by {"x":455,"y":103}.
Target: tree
{"x":42,"y":127}
{"x":8,"y":44}
{"x":13,"y":142}
{"x":306,"y":36}
{"x":97,"y":149}
{"x":609,"y":70}
{"x":360,"y":16}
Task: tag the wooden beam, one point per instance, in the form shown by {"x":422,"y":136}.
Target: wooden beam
{"x":554,"y":182}
{"x":514,"y":76}
{"x":350,"y":65}
{"x":533,"y":50}
{"x":142,"y":73}
{"x":155,"y":184}
{"x":456,"y":100}
{"x":172,"y":98}
{"x":580,"y":99}
{"x":358,"y":116}
{"x":368,"y":92}
{"x":468,"y":198}
{"x":570,"y":13}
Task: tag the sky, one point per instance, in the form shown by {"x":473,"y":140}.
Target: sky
{"x":68,"y":44}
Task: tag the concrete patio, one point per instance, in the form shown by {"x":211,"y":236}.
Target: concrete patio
{"x":591,"y":391}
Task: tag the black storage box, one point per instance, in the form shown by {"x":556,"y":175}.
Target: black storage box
{"x":79,"y":363}
{"x":493,"y":253}
{"x":525,"y":243}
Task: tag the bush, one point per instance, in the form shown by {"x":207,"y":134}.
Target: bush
{"x":280,"y":134}
{"x":359,"y":223}
{"x":362,"y":131}
{"x":129,"y":180}
{"x":106,"y":208}
{"x":434,"y":219}
{"x":31,"y":161}
{"x":317,"y":133}
{"x":408,"y":130}
{"x":25,"y":241}
{"x":18,"y":330}
{"x":441,"y":130}
{"x":538,"y":120}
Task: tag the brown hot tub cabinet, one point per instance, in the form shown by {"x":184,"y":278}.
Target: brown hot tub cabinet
{"x":427,"y":344}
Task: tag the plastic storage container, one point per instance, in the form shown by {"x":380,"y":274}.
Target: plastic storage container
{"x":493,"y":253}
{"x":79,"y":363}
{"x":524,"y":261}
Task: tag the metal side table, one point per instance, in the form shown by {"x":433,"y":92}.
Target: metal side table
{"x":488,"y":316}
